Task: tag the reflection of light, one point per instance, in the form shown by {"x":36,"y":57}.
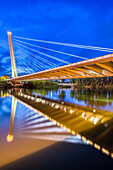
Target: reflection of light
{"x":90,"y":142}
{"x":61,"y":107}
{"x":65,"y":109}
{"x":45,"y":124}
{"x":36,"y":120}
{"x":95,"y":120}
{"x":1,"y":92}
{"x":32,"y":98}
{"x":78,"y":136}
{"x":51,"y":93}
{"x":47,"y":130}
{"x":73,"y":133}
{"x":105,"y":151}
{"x":92,"y":118}
{"x":83,"y":114}
{"x":94,"y":110}
{"x":56,"y":106}
{"x":43,"y":101}
{"x":53,"y":104}
{"x":106,"y":125}
{"x":97,"y":146}
{"x":112,"y":155}
{"x":71,"y":111}
{"x":28,"y":97}
{"x":9,"y":138}
{"x":37,"y":100}
{"x":83,"y":138}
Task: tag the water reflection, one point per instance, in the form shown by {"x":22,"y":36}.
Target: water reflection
{"x":24,"y":130}
{"x":101,"y":98}
{"x":13,"y":111}
{"x":35,"y":125}
{"x":51,"y":120}
{"x":58,"y":117}
{"x":4,"y":93}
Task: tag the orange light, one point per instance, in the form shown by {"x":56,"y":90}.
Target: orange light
{"x":83,"y":138}
{"x":73,"y":133}
{"x":90,"y":142}
{"x":9,"y":138}
{"x":105,"y":151}
{"x":97,"y":146}
{"x":112,"y":155}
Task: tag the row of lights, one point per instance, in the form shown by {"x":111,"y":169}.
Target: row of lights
{"x":56,"y":106}
{"x":91,"y":118}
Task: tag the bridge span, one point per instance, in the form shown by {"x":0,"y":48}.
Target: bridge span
{"x":96,"y":67}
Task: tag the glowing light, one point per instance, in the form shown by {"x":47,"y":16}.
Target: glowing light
{"x":83,"y":138}
{"x":57,"y":106}
{"x":112,"y":155}
{"x":105,"y":151}
{"x":9,"y":33}
{"x":95,"y":120}
{"x":65,"y":109}
{"x":97,"y":146}
{"x":25,"y":96}
{"x":32,"y":98}
{"x":58,"y":123}
{"x":37,"y":100}
{"x":43,"y":101}
{"x":73,"y":133}
{"x":94,"y":110}
{"x":92,"y":118}
{"x":83,"y":114}
{"x":53,"y":104}
{"x":9,"y":138}
{"x":71,"y":111}
{"x":90,"y":142}
{"x":28,"y":97}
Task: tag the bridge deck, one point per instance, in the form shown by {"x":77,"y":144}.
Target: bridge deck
{"x":94,"y":126}
{"x":96,"y":67}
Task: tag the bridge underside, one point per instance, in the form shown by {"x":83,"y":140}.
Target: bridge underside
{"x":96,"y":67}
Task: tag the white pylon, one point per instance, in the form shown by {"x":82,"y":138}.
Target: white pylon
{"x":13,"y":64}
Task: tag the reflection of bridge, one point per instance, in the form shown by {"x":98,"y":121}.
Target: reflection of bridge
{"x":96,"y":67}
{"x":92,"y":126}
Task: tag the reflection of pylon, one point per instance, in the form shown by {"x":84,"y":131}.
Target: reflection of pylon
{"x":13,"y":110}
{"x":13,"y":64}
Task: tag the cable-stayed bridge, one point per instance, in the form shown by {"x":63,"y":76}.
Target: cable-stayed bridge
{"x":36,"y":62}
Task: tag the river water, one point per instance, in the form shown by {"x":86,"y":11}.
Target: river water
{"x":96,"y":98}
{"x":45,"y":133}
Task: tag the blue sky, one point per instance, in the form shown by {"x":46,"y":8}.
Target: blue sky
{"x":84,"y":22}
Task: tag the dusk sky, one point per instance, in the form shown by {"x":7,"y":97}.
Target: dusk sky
{"x":84,"y":22}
